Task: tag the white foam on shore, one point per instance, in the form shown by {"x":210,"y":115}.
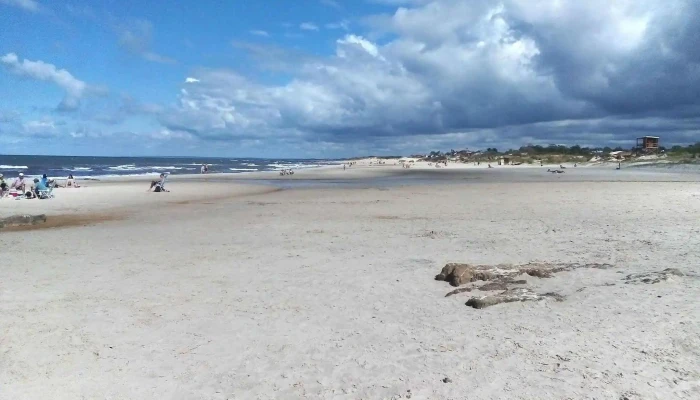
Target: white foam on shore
{"x":132,"y":167}
{"x":14,"y":167}
{"x":277,"y":166}
{"x":243,"y":169}
{"x":98,"y":177}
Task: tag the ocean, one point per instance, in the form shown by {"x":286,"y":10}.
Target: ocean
{"x":97,"y":167}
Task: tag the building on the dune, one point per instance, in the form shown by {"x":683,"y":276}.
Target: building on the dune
{"x":647,"y":144}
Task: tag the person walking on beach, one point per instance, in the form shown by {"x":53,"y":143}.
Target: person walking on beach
{"x":203,"y":169}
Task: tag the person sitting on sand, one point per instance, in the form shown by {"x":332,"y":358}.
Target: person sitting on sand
{"x":19,"y":184}
{"x":160,"y":182}
{"x":4,"y":189}
{"x":71,"y":182}
{"x":37,"y":187}
{"x":40,"y":184}
{"x":45,"y":180}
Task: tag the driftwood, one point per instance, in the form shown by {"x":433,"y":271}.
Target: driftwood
{"x":501,"y":278}
{"x":510,"y":296}
{"x":653,"y":277}
{"x":459,"y":274}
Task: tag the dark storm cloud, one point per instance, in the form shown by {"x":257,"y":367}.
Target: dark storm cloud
{"x":473,"y":72}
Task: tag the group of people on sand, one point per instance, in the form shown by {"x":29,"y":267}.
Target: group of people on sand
{"x":23,"y":188}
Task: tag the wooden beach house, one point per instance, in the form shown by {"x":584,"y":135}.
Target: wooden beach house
{"x":648,"y":144}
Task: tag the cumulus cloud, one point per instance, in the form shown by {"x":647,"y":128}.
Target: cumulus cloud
{"x":191,"y":80}
{"x":44,"y":128}
{"x":28,"y":5}
{"x":75,"y":88}
{"x":489,"y":71}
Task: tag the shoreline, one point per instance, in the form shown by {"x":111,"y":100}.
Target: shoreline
{"x":374,"y":163}
{"x":118,"y":199}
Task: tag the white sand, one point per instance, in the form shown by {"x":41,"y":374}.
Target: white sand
{"x":329,"y":293}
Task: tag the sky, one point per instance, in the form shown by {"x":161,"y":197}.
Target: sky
{"x":338,"y":78}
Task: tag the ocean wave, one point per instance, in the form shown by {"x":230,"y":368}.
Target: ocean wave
{"x":243,"y":169}
{"x":100,"y":176}
{"x":277,"y":166}
{"x":250,"y":164}
{"x":132,"y":167}
{"x":14,"y":167}
{"x":127,"y":167}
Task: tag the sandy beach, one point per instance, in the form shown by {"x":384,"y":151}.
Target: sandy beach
{"x":322,"y":286}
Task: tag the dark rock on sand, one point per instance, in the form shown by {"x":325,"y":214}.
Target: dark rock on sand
{"x":21,"y":220}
